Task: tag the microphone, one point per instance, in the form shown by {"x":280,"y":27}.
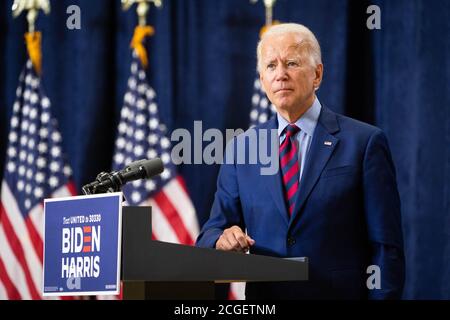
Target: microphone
{"x":113,"y":182}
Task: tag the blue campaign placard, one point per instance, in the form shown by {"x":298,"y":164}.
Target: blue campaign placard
{"x":82,"y":245}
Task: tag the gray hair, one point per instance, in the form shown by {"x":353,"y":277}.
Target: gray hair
{"x":299,"y":29}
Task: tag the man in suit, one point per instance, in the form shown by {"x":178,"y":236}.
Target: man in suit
{"x":334,"y":198}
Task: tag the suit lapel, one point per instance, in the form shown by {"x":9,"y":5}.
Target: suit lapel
{"x":320,"y":151}
{"x":273,"y":182}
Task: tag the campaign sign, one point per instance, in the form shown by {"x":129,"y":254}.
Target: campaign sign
{"x":82,"y":245}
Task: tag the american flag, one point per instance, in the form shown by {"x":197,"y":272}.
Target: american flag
{"x":262,"y":110}
{"x":142,"y":135}
{"x":35,"y":169}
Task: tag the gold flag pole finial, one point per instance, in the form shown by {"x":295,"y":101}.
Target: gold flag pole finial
{"x":143,"y":6}
{"x":33,"y":7}
{"x":268,"y":4}
{"x":32,"y":38}
{"x":142,"y":30}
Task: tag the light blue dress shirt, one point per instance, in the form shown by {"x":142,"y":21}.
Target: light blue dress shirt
{"x":307,"y":124}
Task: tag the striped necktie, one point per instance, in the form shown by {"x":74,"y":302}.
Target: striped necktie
{"x":289,"y":166}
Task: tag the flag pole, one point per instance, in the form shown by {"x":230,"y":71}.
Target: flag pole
{"x":269,"y":5}
{"x":32,"y":7}
{"x":143,"y":6}
{"x":142,"y":30}
{"x":32,"y":37}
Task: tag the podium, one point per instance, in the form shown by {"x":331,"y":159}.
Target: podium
{"x":158,"y":270}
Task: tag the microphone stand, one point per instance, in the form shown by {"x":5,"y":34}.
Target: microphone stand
{"x":93,"y":187}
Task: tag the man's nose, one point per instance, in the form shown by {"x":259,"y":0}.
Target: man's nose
{"x":280,"y":73}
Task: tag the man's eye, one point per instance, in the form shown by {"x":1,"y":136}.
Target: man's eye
{"x":271,"y":66}
{"x":292,"y":64}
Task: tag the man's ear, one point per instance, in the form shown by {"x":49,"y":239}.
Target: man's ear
{"x":319,"y":76}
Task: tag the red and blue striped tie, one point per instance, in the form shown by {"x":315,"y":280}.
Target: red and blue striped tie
{"x":289,"y":166}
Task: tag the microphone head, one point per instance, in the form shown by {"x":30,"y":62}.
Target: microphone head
{"x":135,"y":165}
{"x":152,"y":167}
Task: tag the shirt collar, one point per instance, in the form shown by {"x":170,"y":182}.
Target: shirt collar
{"x":307,"y":121}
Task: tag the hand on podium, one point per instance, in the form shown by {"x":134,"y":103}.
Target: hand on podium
{"x":234,"y":239}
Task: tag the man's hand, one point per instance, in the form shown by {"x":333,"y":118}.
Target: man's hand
{"x":234,"y":239}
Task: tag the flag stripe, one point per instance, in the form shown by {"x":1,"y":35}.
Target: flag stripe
{"x":19,"y":252}
{"x":9,"y":290}
{"x":183,"y":184}
{"x":64,"y":191}
{"x":36,"y":218}
{"x":16,"y":231}
{"x":12,"y":267}
{"x":183,"y":205}
{"x":36,"y":240}
{"x":173,"y":218}
{"x":71,"y":188}
{"x":237,"y":291}
{"x":3,"y":294}
{"x":161,"y":229}
{"x":232,"y":293}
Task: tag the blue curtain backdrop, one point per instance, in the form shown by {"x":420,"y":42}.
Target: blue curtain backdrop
{"x":202,"y":66}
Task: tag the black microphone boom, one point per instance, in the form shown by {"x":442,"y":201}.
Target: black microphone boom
{"x":113,"y":182}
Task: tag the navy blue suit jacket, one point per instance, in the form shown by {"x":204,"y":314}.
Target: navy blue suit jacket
{"x":346,"y":217}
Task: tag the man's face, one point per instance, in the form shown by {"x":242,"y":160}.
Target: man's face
{"x":288,"y":74}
